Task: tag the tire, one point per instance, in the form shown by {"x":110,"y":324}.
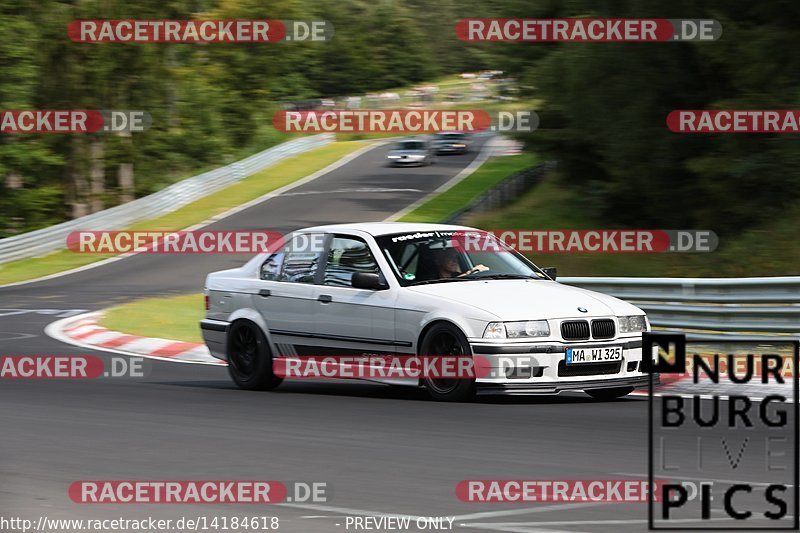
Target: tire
{"x":446,"y":339}
{"x":249,"y":357}
{"x":609,"y":394}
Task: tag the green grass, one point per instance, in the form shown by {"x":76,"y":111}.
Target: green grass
{"x":493,"y":171}
{"x":252,"y":187}
{"x":176,"y":317}
{"x":768,"y":250}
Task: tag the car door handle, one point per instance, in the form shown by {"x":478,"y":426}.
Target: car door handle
{"x":264,"y":293}
{"x":325,"y":298}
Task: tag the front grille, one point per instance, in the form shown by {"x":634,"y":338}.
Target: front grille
{"x":575,"y":330}
{"x":588,"y":369}
{"x":603,"y":328}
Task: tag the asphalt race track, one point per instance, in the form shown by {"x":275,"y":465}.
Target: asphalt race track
{"x":379,"y":449}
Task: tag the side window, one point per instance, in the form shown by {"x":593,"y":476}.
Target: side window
{"x":301,"y":258}
{"x":347,"y":256}
{"x":271,"y":268}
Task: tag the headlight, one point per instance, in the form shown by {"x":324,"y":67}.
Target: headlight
{"x":632,"y":324}
{"x":517,"y":330}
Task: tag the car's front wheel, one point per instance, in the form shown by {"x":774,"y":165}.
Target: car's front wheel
{"x":447,"y":340}
{"x":609,"y":394}
{"x":249,"y":357}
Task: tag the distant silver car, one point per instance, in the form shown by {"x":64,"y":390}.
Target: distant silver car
{"x":404,"y":289}
{"x":412,"y":152}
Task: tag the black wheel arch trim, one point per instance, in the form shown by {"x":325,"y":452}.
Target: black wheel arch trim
{"x":214,"y":325}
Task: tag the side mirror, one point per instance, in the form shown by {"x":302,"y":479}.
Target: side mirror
{"x":550,"y":272}
{"x":368,"y":280}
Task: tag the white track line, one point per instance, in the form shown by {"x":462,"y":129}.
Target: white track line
{"x":690,"y":478}
{"x":529,"y":510}
{"x":456,"y":519}
{"x":590,"y":522}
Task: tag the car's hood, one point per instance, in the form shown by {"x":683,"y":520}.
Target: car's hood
{"x":528,"y":300}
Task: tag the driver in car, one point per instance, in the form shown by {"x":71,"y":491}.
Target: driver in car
{"x":448,"y":266}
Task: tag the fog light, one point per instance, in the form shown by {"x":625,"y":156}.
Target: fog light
{"x":632,"y":366}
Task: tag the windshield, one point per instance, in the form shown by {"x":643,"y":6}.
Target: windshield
{"x":411,"y":145}
{"x":435,"y":256}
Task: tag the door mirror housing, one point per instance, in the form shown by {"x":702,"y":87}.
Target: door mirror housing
{"x":368,"y":280}
{"x":550,"y":272}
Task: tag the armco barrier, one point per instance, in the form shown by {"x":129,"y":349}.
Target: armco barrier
{"x":40,"y":242}
{"x":710,"y":308}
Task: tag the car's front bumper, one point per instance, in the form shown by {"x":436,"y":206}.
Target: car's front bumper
{"x":451,"y":149}
{"x":563,"y":386}
{"x":541,"y":368}
{"x":407,"y":161}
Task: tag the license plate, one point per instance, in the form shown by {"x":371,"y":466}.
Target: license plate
{"x":604,"y":354}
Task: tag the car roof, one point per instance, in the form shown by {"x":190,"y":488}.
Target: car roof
{"x":377,"y":229}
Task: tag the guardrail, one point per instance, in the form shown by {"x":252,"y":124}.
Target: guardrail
{"x":710,"y":308}
{"x":40,"y":242}
{"x":504,"y":192}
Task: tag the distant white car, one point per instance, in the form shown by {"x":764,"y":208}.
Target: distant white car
{"x":412,"y":152}
{"x":405,"y":289}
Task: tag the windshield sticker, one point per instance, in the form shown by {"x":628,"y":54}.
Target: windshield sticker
{"x":422,"y":235}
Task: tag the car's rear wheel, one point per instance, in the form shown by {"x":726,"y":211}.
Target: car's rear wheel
{"x":447,"y":340}
{"x":609,"y":394}
{"x":249,"y":357}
